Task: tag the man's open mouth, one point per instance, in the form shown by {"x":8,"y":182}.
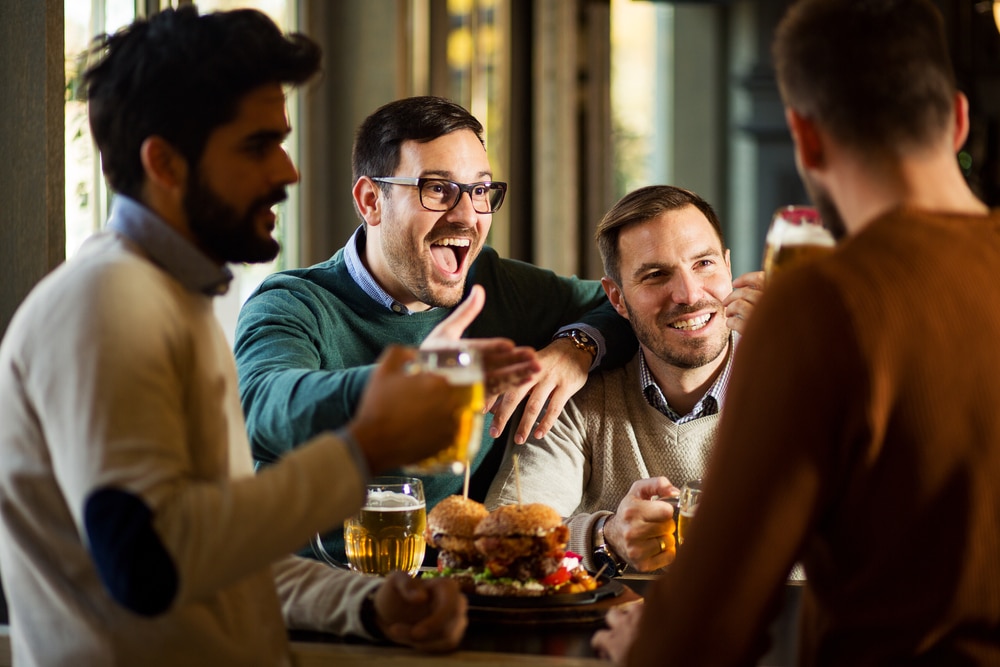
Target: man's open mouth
{"x":692,"y":324}
{"x":449,"y":253}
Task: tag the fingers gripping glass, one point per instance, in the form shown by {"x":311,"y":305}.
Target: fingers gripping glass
{"x":438,"y":194}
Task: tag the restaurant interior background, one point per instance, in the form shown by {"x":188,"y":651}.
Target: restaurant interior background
{"x":582,"y":100}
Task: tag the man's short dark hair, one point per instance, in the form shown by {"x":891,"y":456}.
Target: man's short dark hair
{"x":422,"y":119}
{"x":642,"y":205}
{"x":179,"y":76}
{"x":876,"y":74}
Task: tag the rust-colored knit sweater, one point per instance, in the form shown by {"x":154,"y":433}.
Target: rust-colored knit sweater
{"x":862,"y":434}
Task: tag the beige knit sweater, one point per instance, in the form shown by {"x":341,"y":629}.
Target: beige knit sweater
{"x":607,"y":437}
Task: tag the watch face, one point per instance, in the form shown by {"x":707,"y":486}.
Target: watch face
{"x":606,"y":561}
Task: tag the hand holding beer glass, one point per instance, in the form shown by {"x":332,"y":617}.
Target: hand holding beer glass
{"x":462,"y":366}
{"x":387,"y":533}
{"x":796,"y":234}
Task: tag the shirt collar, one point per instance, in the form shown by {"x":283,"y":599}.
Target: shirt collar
{"x":709,"y":404}
{"x":167,"y":248}
{"x":363,"y":277}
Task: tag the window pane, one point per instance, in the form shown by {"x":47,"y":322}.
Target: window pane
{"x":641,"y":52}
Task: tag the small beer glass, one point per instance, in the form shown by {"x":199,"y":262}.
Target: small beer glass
{"x":463,"y":368}
{"x":687,"y":505}
{"x":796,"y":234}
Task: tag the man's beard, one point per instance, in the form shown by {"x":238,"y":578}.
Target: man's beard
{"x":828,"y":212}
{"x":695,"y":353}
{"x":406,"y":261}
{"x":220,"y":229}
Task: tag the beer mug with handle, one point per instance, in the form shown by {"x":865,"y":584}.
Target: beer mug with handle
{"x":387,"y":534}
{"x":796,"y":234}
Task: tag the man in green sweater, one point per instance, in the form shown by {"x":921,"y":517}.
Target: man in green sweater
{"x":307,"y":339}
{"x":632,"y":432}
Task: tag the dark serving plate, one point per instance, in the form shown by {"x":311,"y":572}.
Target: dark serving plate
{"x":606,"y":588}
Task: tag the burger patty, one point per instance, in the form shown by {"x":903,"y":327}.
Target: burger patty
{"x":523,"y":569}
{"x":507,"y":548}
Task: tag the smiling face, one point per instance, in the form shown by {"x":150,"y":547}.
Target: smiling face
{"x":674,"y":275}
{"x":242,"y":173}
{"x":420,"y":257}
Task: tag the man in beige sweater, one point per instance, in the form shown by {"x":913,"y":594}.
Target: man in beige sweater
{"x":633,"y":433}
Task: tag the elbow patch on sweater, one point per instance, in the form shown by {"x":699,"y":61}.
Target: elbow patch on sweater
{"x":131,"y":560}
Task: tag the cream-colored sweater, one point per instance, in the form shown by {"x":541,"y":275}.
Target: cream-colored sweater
{"x":607,"y":437}
{"x":114,"y":375}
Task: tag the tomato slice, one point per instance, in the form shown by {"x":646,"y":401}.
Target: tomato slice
{"x":560,"y":576}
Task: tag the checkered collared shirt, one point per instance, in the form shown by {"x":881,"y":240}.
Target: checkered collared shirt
{"x":709,"y":404}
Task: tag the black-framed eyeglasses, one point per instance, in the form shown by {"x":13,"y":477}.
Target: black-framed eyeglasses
{"x":439,"y":194}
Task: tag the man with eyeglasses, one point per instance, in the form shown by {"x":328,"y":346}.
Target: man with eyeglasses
{"x":424,"y":188}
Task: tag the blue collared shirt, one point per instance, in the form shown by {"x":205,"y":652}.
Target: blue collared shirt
{"x":709,"y":404}
{"x":167,"y":248}
{"x":364,"y":278}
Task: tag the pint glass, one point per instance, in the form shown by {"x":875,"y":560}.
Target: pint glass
{"x":796,"y":235}
{"x":462,"y":366}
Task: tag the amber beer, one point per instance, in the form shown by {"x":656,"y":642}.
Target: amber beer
{"x":387,"y":534}
{"x":796,"y":235}
{"x":687,"y":505}
{"x":463,"y":369}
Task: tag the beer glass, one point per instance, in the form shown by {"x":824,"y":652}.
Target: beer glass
{"x":796,"y":234}
{"x":463,"y":368}
{"x":687,"y":505}
{"x":388,"y":533}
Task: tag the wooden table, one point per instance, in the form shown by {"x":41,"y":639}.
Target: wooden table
{"x":565,"y":643}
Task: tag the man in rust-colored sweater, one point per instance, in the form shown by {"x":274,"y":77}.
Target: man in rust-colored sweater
{"x":862,"y":429}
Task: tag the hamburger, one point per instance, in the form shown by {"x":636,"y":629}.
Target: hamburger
{"x":451,"y":527}
{"x":516,"y":550}
{"x":523,"y":548}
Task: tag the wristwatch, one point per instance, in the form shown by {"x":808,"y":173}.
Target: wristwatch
{"x":604,"y":556}
{"x":581,"y":340}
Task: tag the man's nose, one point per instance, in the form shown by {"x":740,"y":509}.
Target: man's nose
{"x":464,"y":212}
{"x":285,"y":171}
{"x":687,"y":288}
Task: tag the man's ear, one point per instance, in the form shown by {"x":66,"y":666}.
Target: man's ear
{"x":368,"y":199}
{"x":961,"y":121}
{"x":614,"y":293}
{"x":807,"y":138}
{"x":166,"y":169}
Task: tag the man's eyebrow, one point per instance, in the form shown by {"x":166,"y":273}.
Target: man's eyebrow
{"x":669,"y":268}
{"x":262,"y":136}
{"x":444,"y":173}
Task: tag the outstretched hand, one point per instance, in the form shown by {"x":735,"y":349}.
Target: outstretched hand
{"x":506,"y":366}
{"x":564,"y":371}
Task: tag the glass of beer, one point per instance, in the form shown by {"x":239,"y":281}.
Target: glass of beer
{"x":687,"y":505}
{"x":388,"y":533}
{"x":463,"y":368}
{"x":796,"y":234}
